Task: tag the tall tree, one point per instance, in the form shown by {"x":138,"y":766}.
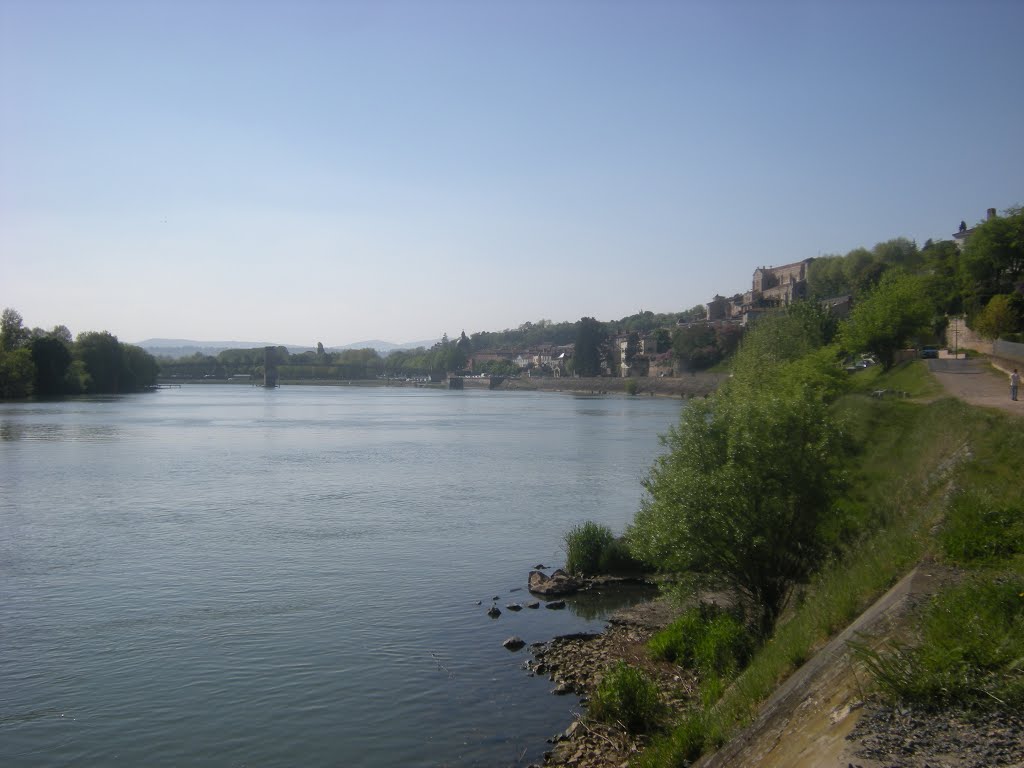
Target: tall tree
{"x":993,"y":259}
{"x":12,"y":334}
{"x":591,"y":346}
{"x":890,"y":317}
{"x":998,"y":317}
{"x":743,"y":496}
{"x":52,"y":359}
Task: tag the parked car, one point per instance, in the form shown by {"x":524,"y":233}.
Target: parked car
{"x":927,"y":352}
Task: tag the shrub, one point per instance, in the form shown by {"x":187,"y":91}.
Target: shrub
{"x":631,"y":387}
{"x":584,"y":546}
{"x":617,"y":560}
{"x":626,"y":695}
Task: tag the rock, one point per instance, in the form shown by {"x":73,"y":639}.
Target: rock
{"x":540,"y":567}
{"x":513,"y":607}
{"x":516,"y":589}
{"x":562,"y":690}
{"x":558,"y":583}
{"x":533,"y":604}
{"x":555,"y":605}
{"x":514,"y":643}
{"x":493,"y":612}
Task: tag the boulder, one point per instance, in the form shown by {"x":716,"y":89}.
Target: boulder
{"x":533,"y":604}
{"x":514,"y":643}
{"x":513,"y":607}
{"x":555,"y":605}
{"x":558,"y":583}
{"x":493,"y":612}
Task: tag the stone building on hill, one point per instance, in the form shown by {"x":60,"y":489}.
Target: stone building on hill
{"x":771,"y":287}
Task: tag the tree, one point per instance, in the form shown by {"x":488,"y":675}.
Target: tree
{"x":16,"y":373}
{"x":942,"y":267}
{"x":12,"y":334}
{"x":139,"y":369}
{"x":695,"y":347}
{"x":993,"y":258}
{"x":52,"y":359}
{"x":899,"y":252}
{"x":113,"y":367}
{"x":825,"y":278}
{"x":101,"y":354}
{"x":591,"y":346}
{"x":662,"y":341}
{"x":999,"y":317}
{"x":743,"y":497}
{"x":896,"y":311}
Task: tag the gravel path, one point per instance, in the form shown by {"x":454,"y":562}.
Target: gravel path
{"x":976,"y":382}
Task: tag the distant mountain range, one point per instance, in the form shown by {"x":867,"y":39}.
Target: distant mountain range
{"x":186,"y":347}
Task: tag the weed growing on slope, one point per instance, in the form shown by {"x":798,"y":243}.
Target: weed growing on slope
{"x":971,"y":649}
{"x":626,"y":695}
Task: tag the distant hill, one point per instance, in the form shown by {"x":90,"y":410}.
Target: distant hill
{"x":176,"y":348}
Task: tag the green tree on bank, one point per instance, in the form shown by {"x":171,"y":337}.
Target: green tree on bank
{"x":742,"y":499}
{"x":36,"y":362}
{"x":890,"y":317}
{"x":591,"y":347}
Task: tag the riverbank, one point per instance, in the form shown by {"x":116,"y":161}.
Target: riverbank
{"x":686,"y":385}
{"x":806,"y":701}
{"x":576,"y":663}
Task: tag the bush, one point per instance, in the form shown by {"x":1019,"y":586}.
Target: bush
{"x":626,"y":696}
{"x":584,"y":546}
{"x":631,"y":386}
{"x":617,"y":560}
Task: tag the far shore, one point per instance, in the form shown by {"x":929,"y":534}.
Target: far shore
{"x":683,"y":385}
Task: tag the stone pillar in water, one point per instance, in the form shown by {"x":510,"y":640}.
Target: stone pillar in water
{"x":269,"y":367}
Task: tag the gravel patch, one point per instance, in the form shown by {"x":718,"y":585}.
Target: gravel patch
{"x":894,"y":737}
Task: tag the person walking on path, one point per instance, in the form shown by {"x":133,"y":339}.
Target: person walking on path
{"x":1014,"y":383}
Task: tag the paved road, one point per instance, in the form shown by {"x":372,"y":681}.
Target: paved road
{"x":976,"y":382}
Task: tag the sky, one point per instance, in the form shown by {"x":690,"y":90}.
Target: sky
{"x":309,"y":171}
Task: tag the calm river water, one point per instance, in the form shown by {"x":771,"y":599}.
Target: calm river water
{"x":228,"y":576}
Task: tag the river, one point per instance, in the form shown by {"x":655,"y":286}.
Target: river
{"x":229,"y":576}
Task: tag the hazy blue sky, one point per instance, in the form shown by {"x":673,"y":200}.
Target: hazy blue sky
{"x":339,"y":171}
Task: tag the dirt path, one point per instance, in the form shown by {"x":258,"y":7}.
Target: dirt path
{"x":976,"y":382}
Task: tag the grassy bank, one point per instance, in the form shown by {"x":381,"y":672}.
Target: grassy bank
{"x":928,"y":479}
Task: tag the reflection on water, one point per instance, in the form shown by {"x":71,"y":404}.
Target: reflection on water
{"x":602,"y":602}
{"x":76,"y":433}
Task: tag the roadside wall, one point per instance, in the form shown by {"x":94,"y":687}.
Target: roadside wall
{"x":1008,"y":350}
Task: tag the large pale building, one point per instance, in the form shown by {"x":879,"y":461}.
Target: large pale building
{"x":771,"y":287}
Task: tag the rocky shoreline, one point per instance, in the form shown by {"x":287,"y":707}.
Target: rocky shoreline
{"x":576,"y":663}
{"x":882,"y":736}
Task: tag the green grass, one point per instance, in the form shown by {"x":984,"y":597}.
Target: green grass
{"x":706,"y":639}
{"x":982,"y":529}
{"x":912,"y":493}
{"x":971,"y":651}
{"x":626,"y":696}
{"x":911,"y":377}
{"x":584,"y":545}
